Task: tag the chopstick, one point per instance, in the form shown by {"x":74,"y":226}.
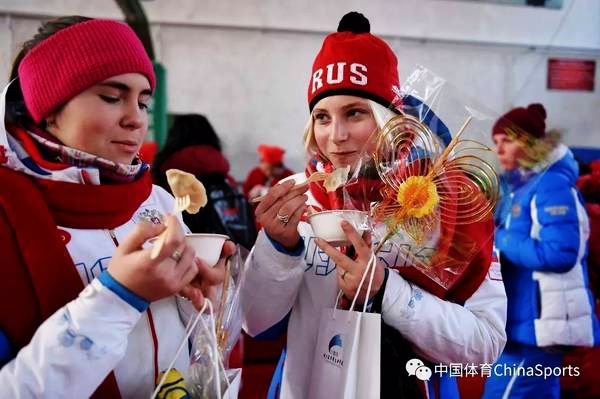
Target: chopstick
{"x":297,"y":187}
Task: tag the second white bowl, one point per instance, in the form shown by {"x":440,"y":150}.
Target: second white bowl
{"x":328,"y":225}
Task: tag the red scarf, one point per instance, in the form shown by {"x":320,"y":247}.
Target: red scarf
{"x":357,"y":193}
{"x":457,"y":241}
{"x":39,"y":276}
{"x":86,"y":206}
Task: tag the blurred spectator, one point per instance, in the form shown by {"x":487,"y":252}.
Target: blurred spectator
{"x":268,"y":173}
{"x":589,"y":185}
{"x":542,"y":241}
{"x":194,"y":147}
{"x":585,"y":385}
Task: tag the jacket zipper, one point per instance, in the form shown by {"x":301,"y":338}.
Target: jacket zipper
{"x":153,"y":334}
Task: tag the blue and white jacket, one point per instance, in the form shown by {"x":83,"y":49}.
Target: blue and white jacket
{"x":294,"y":287}
{"x":543,"y":246}
{"x":107,"y":327}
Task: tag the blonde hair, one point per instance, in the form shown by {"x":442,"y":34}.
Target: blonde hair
{"x":308,"y":137}
{"x":536,"y":150}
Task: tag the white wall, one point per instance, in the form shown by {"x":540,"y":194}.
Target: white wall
{"x":245,"y":64}
{"x":433,"y":19}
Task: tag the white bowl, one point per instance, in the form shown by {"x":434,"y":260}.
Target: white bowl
{"x":207,"y":246}
{"x":328,"y":225}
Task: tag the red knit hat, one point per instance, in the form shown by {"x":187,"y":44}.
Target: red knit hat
{"x":76,"y":58}
{"x":352,"y":61}
{"x":530,"y":121}
{"x":271,"y":154}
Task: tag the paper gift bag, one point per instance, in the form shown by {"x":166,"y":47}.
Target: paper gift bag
{"x":346,"y":362}
{"x":347,"y":356}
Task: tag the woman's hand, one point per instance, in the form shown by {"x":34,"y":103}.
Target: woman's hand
{"x":280,"y":211}
{"x":350,"y":271}
{"x":154,"y":279}
{"x":204,"y":285}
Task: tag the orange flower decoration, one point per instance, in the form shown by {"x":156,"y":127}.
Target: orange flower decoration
{"x":425,"y":183}
{"x":418,"y":196}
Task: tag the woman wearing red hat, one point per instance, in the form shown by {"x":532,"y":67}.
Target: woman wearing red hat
{"x":542,"y":238}
{"x":84,"y":309}
{"x":292,"y":276}
{"x":268,"y":173}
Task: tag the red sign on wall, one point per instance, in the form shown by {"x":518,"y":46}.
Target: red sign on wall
{"x":571,"y":74}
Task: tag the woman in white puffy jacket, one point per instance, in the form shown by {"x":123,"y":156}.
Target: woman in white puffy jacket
{"x":292,"y":275}
{"x":85,"y":310}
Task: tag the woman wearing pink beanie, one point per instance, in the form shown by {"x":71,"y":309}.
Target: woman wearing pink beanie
{"x":84,"y":310}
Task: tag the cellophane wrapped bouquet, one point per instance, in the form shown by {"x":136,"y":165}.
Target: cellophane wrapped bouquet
{"x":428,"y":179}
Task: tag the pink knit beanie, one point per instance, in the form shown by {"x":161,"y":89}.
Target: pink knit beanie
{"x":76,"y":58}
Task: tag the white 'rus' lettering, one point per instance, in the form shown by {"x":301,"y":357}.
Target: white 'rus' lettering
{"x":357,"y":75}
{"x":317,"y":83}
{"x":340,"y":73}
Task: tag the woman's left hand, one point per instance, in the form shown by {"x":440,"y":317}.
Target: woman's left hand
{"x":208,"y":278}
{"x":350,"y":271}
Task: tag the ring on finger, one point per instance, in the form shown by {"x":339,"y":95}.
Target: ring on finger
{"x":176,"y":255}
{"x":344,"y":274}
{"x":283,"y":218}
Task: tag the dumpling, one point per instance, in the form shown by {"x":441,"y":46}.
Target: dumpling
{"x":182,"y":184}
{"x":335,"y":179}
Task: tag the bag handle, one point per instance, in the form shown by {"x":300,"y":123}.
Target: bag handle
{"x":211,"y":331}
{"x":370,"y":267}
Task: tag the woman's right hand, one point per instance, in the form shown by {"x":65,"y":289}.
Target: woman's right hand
{"x":154,"y":279}
{"x":282,"y":204}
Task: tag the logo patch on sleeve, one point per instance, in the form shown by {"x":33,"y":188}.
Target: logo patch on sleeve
{"x":557,"y":210}
{"x":151,"y":216}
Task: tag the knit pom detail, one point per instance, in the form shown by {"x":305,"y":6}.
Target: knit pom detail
{"x":538,"y":109}
{"x":354,"y":22}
